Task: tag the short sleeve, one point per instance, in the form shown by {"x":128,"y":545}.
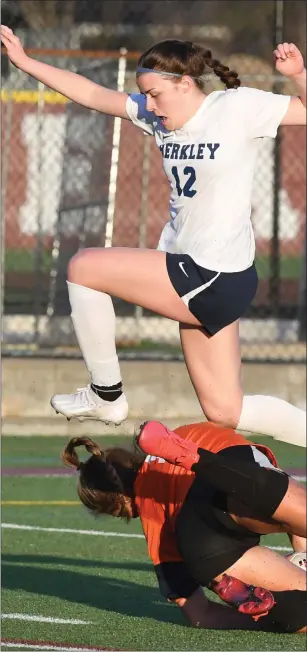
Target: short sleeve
{"x":261,"y":111}
{"x":136,"y":110}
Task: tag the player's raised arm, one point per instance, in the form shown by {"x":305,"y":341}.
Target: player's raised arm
{"x":74,"y":86}
{"x":290,"y":63}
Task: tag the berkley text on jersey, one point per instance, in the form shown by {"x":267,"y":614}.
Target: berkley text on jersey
{"x":187,"y":152}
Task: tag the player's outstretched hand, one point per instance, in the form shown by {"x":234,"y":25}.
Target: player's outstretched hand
{"x":14,"y":47}
{"x":288,"y":59}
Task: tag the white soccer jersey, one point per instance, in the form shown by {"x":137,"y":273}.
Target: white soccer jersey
{"x":209,"y":163}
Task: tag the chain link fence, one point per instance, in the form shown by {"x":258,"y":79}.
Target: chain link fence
{"x":74,"y":178}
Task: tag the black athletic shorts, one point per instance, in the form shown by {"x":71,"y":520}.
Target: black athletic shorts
{"x":208,"y":538}
{"x":216,"y":299}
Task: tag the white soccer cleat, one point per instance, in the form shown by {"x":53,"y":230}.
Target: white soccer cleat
{"x":85,"y":404}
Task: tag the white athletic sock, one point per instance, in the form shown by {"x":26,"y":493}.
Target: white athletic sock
{"x":272,"y":416}
{"x":93,"y":317}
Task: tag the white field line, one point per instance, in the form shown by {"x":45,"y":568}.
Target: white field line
{"x":46,"y":619}
{"x":94,"y":533}
{"x":280,"y":548}
{"x":57,"y":648}
{"x":43,"y":475}
{"x":37,"y":528}
{"x":298,"y":478}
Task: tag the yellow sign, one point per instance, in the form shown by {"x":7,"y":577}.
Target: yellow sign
{"x":32,"y":97}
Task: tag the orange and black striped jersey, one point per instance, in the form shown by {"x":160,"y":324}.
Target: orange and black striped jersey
{"x":161,"y":488}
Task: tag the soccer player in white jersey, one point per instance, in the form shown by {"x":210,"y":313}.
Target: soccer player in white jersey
{"x":203,"y":273}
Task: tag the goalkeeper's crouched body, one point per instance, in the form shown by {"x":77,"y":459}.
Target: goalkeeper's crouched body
{"x":203,"y":524}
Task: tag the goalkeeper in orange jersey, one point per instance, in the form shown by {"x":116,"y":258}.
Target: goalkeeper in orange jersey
{"x":204,"y":495}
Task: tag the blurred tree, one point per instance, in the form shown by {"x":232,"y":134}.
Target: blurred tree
{"x":295,"y":23}
{"x":229,"y":26}
{"x":39,"y":15}
{"x":48,"y":13}
{"x":11,"y":14}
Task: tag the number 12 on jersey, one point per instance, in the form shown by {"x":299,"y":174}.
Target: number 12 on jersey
{"x":187,"y":187}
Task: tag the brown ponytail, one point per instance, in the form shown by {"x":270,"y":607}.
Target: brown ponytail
{"x":69,"y":455}
{"x":187,"y":58}
{"x":106,"y":479}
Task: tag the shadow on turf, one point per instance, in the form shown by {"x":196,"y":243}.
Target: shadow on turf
{"x":87,"y":563}
{"x":107,"y":593}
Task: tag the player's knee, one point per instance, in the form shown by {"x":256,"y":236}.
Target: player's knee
{"x":81,"y":266}
{"x":225,"y":414}
{"x":292,"y":510}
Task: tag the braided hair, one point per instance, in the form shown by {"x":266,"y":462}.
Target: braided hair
{"x":187,"y":58}
{"x":106,"y":478}
{"x":228,"y":77}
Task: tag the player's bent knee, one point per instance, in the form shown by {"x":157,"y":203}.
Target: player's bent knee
{"x":292,"y":510}
{"x":226,"y":415}
{"x":82,"y":266}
